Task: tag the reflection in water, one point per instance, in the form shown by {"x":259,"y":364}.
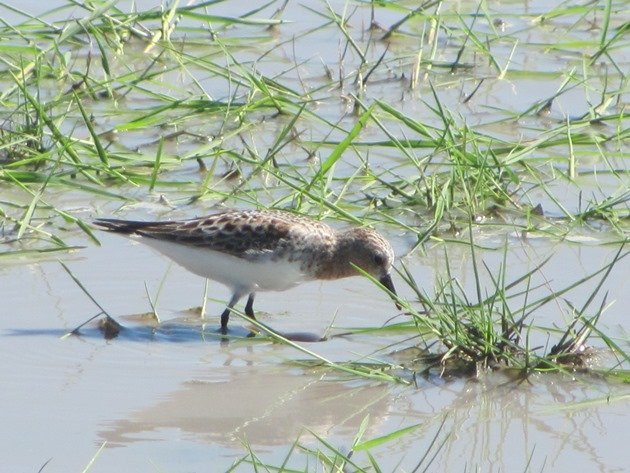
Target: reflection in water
{"x":494,"y":421}
{"x":265,"y":409}
{"x":499,"y":422}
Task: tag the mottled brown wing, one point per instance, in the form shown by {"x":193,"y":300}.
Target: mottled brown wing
{"x":249,"y":235}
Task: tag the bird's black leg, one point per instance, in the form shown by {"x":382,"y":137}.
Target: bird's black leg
{"x":225,"y":316}
{"x":249,"y":307}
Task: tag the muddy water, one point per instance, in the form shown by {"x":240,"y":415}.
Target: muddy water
{"x":172,"y":397}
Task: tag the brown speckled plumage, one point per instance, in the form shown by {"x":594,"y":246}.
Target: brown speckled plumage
{"x":279,"y":240}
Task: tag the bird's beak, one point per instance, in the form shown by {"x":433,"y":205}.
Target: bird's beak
{"x":386,"y":281}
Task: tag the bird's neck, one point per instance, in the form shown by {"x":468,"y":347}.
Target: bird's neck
{"x":335,"y":264}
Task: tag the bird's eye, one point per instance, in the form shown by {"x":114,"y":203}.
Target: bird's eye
{"x":378,"y":259}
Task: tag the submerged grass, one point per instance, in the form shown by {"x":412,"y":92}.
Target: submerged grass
{"x":402,"y":124}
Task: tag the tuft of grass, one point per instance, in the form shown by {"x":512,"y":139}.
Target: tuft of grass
{"x":492,"y":329}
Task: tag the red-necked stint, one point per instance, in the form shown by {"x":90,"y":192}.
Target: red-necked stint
{"x":263,"y":250}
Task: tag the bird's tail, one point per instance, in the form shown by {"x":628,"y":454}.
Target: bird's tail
{"x":122,"y":226}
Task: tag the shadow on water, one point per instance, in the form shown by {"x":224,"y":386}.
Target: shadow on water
{"x":175,"y":331}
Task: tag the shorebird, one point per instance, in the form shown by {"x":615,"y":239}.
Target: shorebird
{"x":263,"y":250}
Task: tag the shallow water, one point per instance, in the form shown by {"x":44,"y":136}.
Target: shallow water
{"x":173,"y":397}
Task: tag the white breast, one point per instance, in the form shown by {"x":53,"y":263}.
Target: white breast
{"x":236,"y":273}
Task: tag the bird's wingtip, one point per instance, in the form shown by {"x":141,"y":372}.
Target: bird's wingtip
{"x":115,"y":225}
